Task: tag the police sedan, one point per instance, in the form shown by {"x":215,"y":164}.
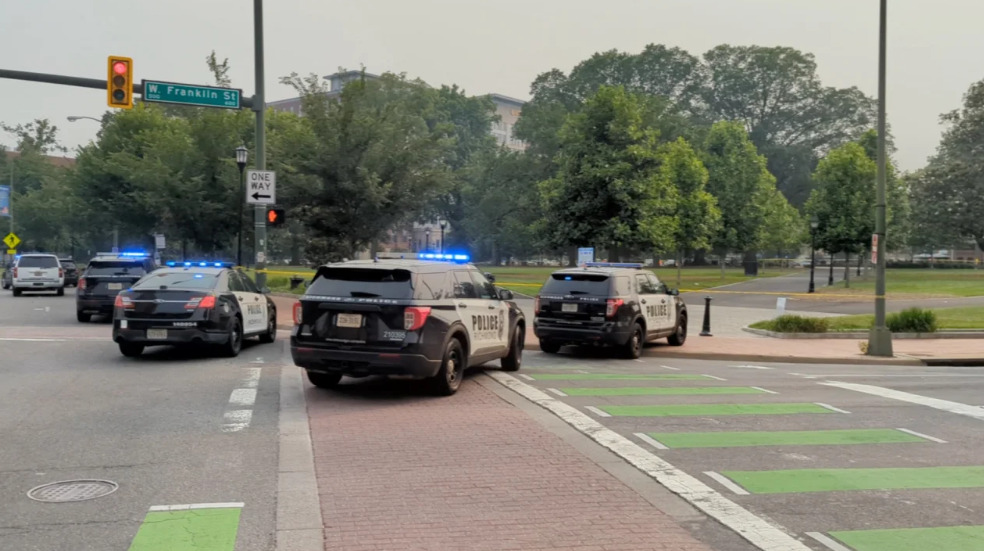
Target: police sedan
{"x":191,"y":303}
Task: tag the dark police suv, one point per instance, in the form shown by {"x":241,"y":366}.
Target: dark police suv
{"x":430,"y":317}
{"x":106,"y":275}
{"x":615,"y":304}
{"x":193,"y":303}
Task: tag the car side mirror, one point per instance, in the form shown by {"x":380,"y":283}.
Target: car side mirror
{"x":673,"y":292}
{"x":505,"y":294}
{"x":490,"y":277}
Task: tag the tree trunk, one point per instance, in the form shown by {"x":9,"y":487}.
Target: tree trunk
{"x":679,"y":265}
{"x":699,"y":258}
{"x":860,"y":262}
{"x":721,"y":260}
{"x":847,"y":269}
{"x":830,"y":278}
{"x":571,"y":257}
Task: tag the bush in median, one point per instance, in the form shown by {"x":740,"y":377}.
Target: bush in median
{"x":794,"y":324}
{"x":912,"y":320}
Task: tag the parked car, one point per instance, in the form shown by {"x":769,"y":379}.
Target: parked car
{"x":71,"y":272}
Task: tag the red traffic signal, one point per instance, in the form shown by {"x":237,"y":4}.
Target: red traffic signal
{"x":119,"y":83}
{"x":275,"y":217}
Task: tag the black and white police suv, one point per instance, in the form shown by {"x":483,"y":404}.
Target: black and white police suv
{"x":614,"y":304}
{"x":193,"y":303}
{"x":431,"y":317}
{"x":106,"y":275}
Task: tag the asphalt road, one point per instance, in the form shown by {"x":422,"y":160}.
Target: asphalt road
{"x":72,"y":407}
{"x":890,"y":448}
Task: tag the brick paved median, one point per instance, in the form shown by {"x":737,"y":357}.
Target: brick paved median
{"x":398,"y":470}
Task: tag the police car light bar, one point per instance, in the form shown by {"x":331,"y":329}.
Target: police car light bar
{"x":447,"y":256}
{"x":201,"y":264}
{"x":133,"y":254}
{"x":613,"y":264}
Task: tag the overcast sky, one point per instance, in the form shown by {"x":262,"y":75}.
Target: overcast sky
{"x":936,"y":49}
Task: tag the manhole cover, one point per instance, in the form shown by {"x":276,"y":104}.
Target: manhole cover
{"x":72,"y":490}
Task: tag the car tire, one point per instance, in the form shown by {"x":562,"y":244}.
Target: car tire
{"x":632,"y":348}
{"x":60,"y":292}
{"x":83,"y":317}
{"x":271,"y":334}
{"x":448,"y":378}
{"x":550,"y":347}
{"x":232,"y":346}
{"x":324,"y":380}
{"x":679,"y":335}
{"x":514,"y":359}
{"x":131,"y":349}
{"x":17,"y":292}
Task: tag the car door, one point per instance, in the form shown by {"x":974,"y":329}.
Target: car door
{"x":470,"y":310}
{"x":247,"y":306}
{"x":256,"y":304}
{"x":496,"y":314}
{"x":666,"y":312}
{"x":649,"y":303}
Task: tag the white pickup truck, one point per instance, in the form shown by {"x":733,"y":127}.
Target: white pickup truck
{"x":38,"y":272}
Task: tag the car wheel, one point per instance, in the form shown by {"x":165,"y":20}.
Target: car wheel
{"x":130,"y":349}
{"x":60,"y":292}
{"x":680,"y":335}
{"x":82,"y":317}
{"x":514,"y":359}
{"x":324,"y":380}
{"x":632,"y":348}
{"x":235,"y":343}
{"x":271,"y":333}
{"x":17,"y":292}
{"x":448,"y":378}
{"x":549,"y":347}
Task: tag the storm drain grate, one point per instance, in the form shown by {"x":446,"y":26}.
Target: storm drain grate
{"x":72,"y":490}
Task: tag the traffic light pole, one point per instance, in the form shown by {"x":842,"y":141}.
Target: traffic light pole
{"x":259,"y":105}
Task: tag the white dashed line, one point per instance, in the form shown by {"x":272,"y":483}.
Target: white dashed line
{"x":252,"y":379}
{"x":527,"y":377}
{"x":827,"y":542}
{"x":243,"y":397}
{"x":760,"y":532}
{"x":751,"y":367}
{"x":193,"y":506}
{"x":651,"y":441}
{"x":669,"y":367}
{"x":926,"y":436}
{"x":557,"y":392}
{"x":597,"y":411}
{"x":727,"y":483}
{"x":831,"y":408}
{"x":237,"y":420}
{"x":715,"y":378}
{"x":944,"y":405}
{"x":765,"y":390}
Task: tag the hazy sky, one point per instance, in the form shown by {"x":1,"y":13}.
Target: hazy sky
{"x":936,"y":49}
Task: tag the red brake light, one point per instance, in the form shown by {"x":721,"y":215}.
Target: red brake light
{"x":612,"y":305}
{"x":15,"y":272}
{"x":415,"y":316}
{"x":297,"y":313}
{"x":123,"y":301}
{"x":82,"y":284}
{"x":61,"y":272}
{"x":205,"y":302}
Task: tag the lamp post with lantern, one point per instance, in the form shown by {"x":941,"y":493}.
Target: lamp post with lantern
{"x":242,"y":154}
{"x":814,"y":223}
{"x":443,"y":223}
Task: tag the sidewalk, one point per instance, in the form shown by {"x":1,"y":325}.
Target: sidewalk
{"x":398,"y":469}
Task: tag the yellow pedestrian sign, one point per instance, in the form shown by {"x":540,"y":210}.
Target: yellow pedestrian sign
{"x":11,"y":251}
{"x":12,"y":240}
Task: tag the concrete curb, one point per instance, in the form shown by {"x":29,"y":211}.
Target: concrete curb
{"x":954,"y":334}
{"x":856,"y":360}
{"x":954,"y":362}
{"x":299,"y":522}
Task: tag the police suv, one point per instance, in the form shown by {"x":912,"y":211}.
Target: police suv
{"x":193,"y":303}
{"x":431,"y":317}
{"x":106,"y":275}
{"x":614,"y":304}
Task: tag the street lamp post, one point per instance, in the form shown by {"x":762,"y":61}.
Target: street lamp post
{"x":813,"y":250}
{"x":74,"y":118}
{"x":427,"y":239}
{"x":242,"y":154}
{"x":443,"y":223}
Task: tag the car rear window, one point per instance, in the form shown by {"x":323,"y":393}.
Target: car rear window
{"x":111,"y":268}
{"x":38,"y":262}
{"x":577,"y":284}
{"x":362,"y":283}
{"x":67,"y":264}
{"x":193,"y":281}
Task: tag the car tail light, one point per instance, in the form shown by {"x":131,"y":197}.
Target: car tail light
{"x":297,"y":312}
{"x":612,"y":305}
{"x":206,"y":302}
{"x":15,"y":272}
{"x":536,"y":305}
{"x":415,"y":316}
{"x":82,"y":284}
{"x":123,"y":302}
{"x":61,"y":272}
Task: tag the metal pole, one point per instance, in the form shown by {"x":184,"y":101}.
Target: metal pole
{"x":813,"y":258}
{"x":706,"y":330}
{"x":242,"y":201}
{"x":880,"y":338}
{"x":259,"y":106}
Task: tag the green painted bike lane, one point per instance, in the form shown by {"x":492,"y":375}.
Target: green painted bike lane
{"x":950,"y":538}
{"x":188,"y":528}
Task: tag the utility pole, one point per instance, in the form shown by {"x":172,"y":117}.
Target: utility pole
{"x":259,"y":106}
{"x":880,"y":338}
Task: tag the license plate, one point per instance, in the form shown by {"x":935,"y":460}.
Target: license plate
{"x":568,"y":307}
{"x":157,"y":334}
{"x":114,"y":286}
{"x":38,"y":274}
{"x":349,"y":320}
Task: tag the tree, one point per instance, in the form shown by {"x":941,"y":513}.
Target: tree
{"x":741,"y":183}
{"x":898,"y":210}
{"x":696,"y":211}
{"x":608,"y":190}
{"x":784,"y":229}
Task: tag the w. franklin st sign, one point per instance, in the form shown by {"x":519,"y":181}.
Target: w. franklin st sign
{"x":190,"y":94}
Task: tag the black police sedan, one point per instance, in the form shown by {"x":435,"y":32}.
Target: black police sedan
{"x":193,"y":303}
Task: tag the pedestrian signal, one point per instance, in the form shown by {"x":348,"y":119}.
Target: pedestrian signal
{"x":275,"y":217}
{"x":119,"y":82}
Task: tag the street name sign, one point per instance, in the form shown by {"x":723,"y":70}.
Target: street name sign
{"x":12,"y":240}
{"x":191,"y":94}
{"x":261,"y":187}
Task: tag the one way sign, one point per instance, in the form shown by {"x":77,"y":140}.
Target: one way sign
{"x":261,"y":187}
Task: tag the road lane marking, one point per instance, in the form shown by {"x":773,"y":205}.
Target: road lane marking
{"x":557,"y":392}
{"x":764,"y":390}
{"x":835,"y":480}
{"x":722,"y":480}
{"x":758,"y":531}
{"x":670,"y":367}
{"x":944,"y":405}
{"x":926,"y":436}
{"x":617,"y":377}
{"x":827,"y":542}
{"x":715,"y":378}
{"x":950,"y":538}
{"x":596,"y":411}
{"x":752,"y":367}
{"x":651,"y":441}
{"x":832,"y":408}
{"x":713,"y":409}
{"x":662,"y":391}
{"x":237,"y":420}
{"x":205,"y":527}
{"x":527,"y":377}
{"x":243,"y":397}
{"x":676,"y":440}
{"x":252,"y":378}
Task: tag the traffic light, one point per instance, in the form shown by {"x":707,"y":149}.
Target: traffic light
{"x":276,"y":217}
{"x":119,"y":82}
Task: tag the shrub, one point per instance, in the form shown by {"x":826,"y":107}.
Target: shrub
{"x":912,"y":320}
{"x":795,"y":324}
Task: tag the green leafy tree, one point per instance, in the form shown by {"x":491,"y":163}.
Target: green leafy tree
{"x":784,"y":229}
{"x":608,"y":190}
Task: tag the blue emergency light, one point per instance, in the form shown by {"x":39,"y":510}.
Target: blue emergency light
{"x":133,"y":254}
{"x":444,"y":256}
{"x":201,"y":264}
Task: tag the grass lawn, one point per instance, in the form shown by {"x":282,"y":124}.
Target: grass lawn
{"x":946,"y":318}
{"x":528,"y":280}
{"x":924,"y":283}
